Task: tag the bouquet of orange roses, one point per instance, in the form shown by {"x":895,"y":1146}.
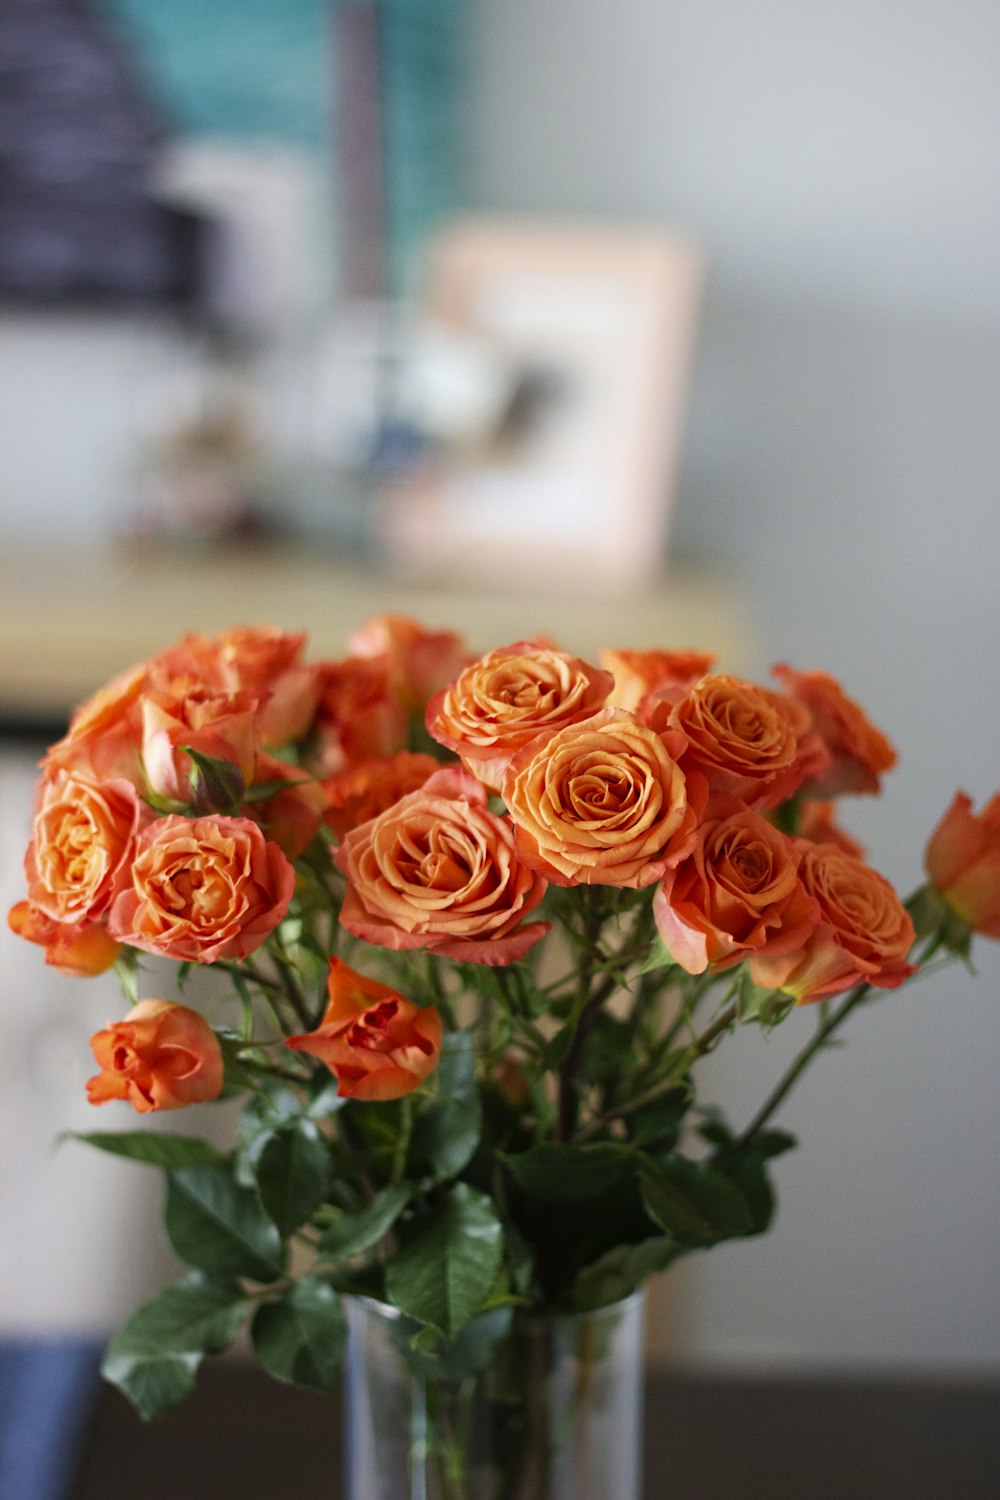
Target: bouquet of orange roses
{"x":474,"y":923}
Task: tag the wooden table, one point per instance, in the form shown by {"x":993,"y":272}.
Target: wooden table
{"x":241,"y":1437}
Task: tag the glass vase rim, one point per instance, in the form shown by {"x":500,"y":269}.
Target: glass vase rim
{"x":625,"y":1304}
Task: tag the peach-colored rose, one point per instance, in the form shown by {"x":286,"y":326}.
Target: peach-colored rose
{"x":376,"y":1043}
{"x":105,"y":732}
{"x":438,"y":870}
{"x":507,"y":699}
{"x":738,"y":739}
{"x":421,"y":661}
{"x":291,"y":816}
{"x":864,"y":932}
{"x":367,"y":789}
{"x":818,"y":823}
{"x":161,"y":1056}
{"x":963,"y":862}
{"x":83,"y":837}
{"x":359,"y":716}
{"x":738,"y":892}
{"x":202,"y":889}
{"x":82,"y":949}
{"x":859,"y":752}
{"x":215,"y":723}
{"x":637,"y":673}
{"x":258,"y":660}
{"x":603,"y":802}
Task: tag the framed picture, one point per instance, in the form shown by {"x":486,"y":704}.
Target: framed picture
{"x":580,"y":343}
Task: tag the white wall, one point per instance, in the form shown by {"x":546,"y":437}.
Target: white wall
{"x":839,"y":166}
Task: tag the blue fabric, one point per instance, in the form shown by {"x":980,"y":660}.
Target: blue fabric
{"x":47,"y":1391}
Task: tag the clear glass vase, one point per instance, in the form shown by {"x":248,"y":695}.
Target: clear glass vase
{"x":543,"y":1408}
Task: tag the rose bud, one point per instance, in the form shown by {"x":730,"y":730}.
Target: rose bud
{"x":161,"y":1056}
{"x":376,"y":1043}
{"x":963,"y":862}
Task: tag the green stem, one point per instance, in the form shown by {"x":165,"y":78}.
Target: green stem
{"x":683,"y":1064}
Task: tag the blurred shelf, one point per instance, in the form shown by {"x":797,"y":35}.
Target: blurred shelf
{"x":69,"y":620}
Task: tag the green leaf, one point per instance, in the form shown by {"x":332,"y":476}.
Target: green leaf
{"x":564,"y":1174}
{"x":218,"y":1226}
{"x":126,"y":969}
{"x":769,"y":1007}
{"x":693,"y":1201}
{"x":262,"y":791}
{"x":446,"y":1268}
{"x":352,"y":1234}
{"x":154,"y":1358}
{"x":659,"y":1124}
{"x":618,"y":1272}
{"x":447,"y":1127}
{"x":293,"y":1174}
{"x":216,"y":785}
{"x":302,"y":1337}
{"x":658,"y":957}
{"x":150,"y":1147}
{"x":324,"y":1099}
{"x":434,"y":1357}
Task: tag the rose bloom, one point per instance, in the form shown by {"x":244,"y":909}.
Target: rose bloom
{"x":80,"y":949}
{"x":859,"y":752}
{"x":258,"y":660}
{"x":216,"y":724}
{"x":507,"y":699}
{"x":367,"y":789}
{"x":864,"y":932}
{"x":637,"y":673}
{"x":83,"y":837}
{"x":161,"y":1056}
{"x":603,"y":802}
{"x":105,"y":732}
{"x":377,"y":1044}
{"x":291,"y":816}
{"x":738,"y":892}
{"x":202,"y":889}
{"x":963,"y":862}
{"x":359,"y":716}
{"x":421,"y":662}
{"x":738,"y":739}
{"x":438,"y":871}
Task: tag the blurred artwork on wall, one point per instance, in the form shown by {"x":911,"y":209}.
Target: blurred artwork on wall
{"x":549,"y":384}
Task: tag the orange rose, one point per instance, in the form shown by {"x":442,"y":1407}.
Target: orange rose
{"x":367,"y":789}
{"x":421,"y":661}
{"x":216,"y":724}
{"x":438,"y":870}
{"x":507,"y":699}
{"x":359,"y":716}
{"x":76,"y":948}
{"x":259,"y":660}
{"x":738,"y":739}
{"x":637,"y":673}
{"x":105,"y":732}
{"x":736,"y":893}
{"x":864,"y":932}
{"x":291,"y":816}
{"x":603,"y":802}
{"x":83,"y":837}
{"x":161,"y":1056}
{"x":201,"y":889}
{"x":859,"y":752}
{"x":963,"y":862}
{"x":376,"y":1044}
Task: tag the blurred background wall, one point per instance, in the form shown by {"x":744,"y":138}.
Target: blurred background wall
{"x":837,"y":167}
